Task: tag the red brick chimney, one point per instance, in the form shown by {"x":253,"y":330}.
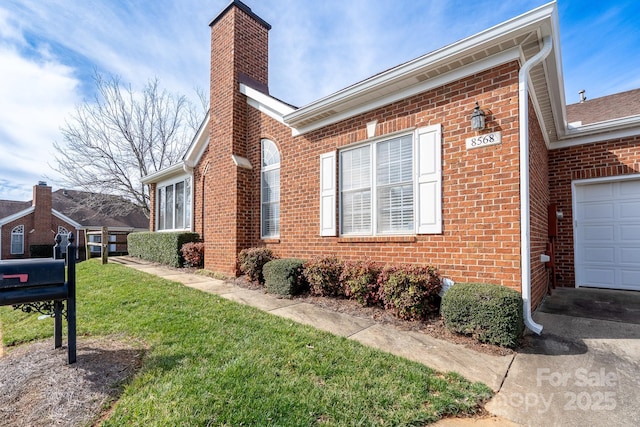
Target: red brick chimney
{"x":239,"y":53}
{"x":41,"y":215}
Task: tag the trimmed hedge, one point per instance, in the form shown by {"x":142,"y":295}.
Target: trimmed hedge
{"x":360,"y":281}
{"x":410,"y":291}
{"x":193,"y":254}
{"x":160,"y":247}
{"x":323,"y":275}
{"x":489,"y":313}
{"x":284,"y":276}
{"x":252,"y":260}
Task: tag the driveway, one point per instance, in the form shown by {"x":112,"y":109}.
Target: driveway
{"x":584,"y":370}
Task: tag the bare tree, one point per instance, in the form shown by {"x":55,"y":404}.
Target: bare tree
{"x":109,"y":144}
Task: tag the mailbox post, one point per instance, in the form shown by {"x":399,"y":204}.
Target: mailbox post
{"x":40,"y":285}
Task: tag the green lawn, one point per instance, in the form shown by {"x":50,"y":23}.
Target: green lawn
{"x":214,"y":362}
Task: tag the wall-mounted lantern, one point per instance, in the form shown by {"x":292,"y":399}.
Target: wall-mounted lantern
{"x":477,"y":118}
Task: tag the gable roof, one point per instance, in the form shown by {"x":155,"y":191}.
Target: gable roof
{"x":520,"y":38}
{"x":11,"y":207}
{"x":91,"y":210}
{"x":606,"y":108}
{"x":80,"y":209}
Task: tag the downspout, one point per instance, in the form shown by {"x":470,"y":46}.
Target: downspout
{"x":525,"y":210}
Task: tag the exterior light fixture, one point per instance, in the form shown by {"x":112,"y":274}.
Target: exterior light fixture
{"x":477,"y":118}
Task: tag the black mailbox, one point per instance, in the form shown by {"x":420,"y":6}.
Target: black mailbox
{"x":40,"y":285}
{"x":32,"y":281}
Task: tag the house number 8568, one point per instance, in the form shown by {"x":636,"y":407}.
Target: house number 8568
{"x":492,"y":138}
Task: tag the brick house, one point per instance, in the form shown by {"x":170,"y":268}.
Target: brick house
{"x":392,"y":170}
{"x":26,"y":225}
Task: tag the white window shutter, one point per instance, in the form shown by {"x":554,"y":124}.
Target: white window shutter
{"x":328,"y":194}
{"x":429,"y":176}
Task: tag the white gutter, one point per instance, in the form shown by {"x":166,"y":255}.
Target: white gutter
{"x":525,"y":209}
{"x":168,"y":172}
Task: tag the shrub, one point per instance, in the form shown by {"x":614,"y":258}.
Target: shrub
{"x":252,"y":260}
{"x":490,"y":313}
{"x":360,"y":281}
{"x":323,"y":275}
{"x":193,"y":254}
{"x":410,"y":291}
{"x":160,"y":247}
{"x":284,"y":276}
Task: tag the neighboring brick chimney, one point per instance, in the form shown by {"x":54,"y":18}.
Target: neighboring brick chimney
{"x":41,"y":215}
{"x":239,"y":52}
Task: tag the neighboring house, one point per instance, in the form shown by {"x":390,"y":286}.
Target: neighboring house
{"x":392,"y":169}
{"x":25,"y":226}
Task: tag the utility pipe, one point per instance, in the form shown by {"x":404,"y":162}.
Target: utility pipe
{"x":525,"y":210}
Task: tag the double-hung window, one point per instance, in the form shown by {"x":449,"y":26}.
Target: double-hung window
{"x":385,"y":187}
{"x":270,"y":191}
{"x":17,"y":240}
{"x":174,"y":205}
{"x":376,"y":188}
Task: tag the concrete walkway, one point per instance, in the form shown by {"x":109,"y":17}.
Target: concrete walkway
{"x":584,"y":370}
{"x":580,"y":372}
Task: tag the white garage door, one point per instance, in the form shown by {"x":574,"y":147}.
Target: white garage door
{"x":607,"y":234}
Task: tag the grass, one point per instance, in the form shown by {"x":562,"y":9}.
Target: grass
{"x":214,"y":362}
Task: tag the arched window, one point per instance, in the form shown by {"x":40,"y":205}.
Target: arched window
{"x":270,"y":191}
{"x":64,"y":233}
{"x":17,"y":240}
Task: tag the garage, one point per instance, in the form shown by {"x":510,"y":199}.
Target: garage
{"x":607,"y":233}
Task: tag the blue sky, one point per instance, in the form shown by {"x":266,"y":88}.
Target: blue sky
{"x":49,"y":50}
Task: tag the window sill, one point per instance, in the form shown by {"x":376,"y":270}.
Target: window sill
{"x":377,"y":239}
{"x":270,"y":241}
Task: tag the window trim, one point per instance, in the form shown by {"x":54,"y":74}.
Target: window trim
{"x":373,"y":186}
{"x":162,"y":186}
{"x":426,"y":179}
{"x":14,"y":232}
{"x":263,"y":170}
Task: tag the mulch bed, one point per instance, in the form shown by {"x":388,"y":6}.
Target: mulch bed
{"x":39,"y":388}
{"x":433,"y":326}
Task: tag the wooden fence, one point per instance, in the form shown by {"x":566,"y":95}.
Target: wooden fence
{"x":103,"y":244}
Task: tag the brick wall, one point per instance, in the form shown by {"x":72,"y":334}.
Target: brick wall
{"x":28,"y":223}
{"x":481,"y":216}
{"x":42,"y":216}
{"x":239,"y":49}
{"x":46,"y":232}
{"x":538,"y":202}
{"x":609,"y":158}
{"x":152,"y":206}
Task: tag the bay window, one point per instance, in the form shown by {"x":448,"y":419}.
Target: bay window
{"x":174,"y":205}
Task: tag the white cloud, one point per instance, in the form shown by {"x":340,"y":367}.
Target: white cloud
{"x":35,"y":97}
{"x":8,"y":29}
